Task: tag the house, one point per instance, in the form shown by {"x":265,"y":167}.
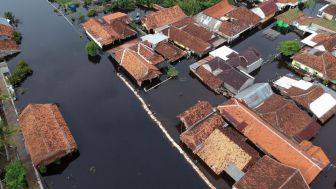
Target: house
{"x":306,"y":157}
{"x":117,"y":16}
{"x":161,"y":19}
{"x":255,"y":95}
{"x":311,"y":96}
{"x":289,"y":17}
{"x":282,"y":114}
{"x":239,"y":20}
{"x":8,"y":47}
{"x":106,"y":33}
{"x":196,"y":113}
{"x":328,"y":12}
{"x":283,"y":4}
{"x":139,"y":60}
{"x":46,"y":134}
{"x":6,"y":30}
{"x":187,"y":41}
{"x":266,"y":10}
{"x":218,"y":74}
{"x":268,"y":173}
{"x":246,"y":61}
{"x":219,"y":10}
{"x":221,"y":148}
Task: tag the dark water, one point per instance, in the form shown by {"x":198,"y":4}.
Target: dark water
{"x":114,"y":134}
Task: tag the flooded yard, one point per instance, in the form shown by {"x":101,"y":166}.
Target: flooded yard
{"x":119,"y":145}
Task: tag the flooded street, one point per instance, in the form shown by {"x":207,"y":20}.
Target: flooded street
{"x":119,"y":145}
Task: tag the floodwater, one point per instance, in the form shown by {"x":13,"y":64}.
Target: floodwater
{"x":120,"y":147}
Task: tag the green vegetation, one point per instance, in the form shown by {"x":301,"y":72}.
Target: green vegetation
{"x":42,"y":169}
{"x":81,"y":18}
{"x":87,"y":2}
{"x":309,"y":3}
{"x":172,"y":71}
{"x":9,"y":15}
{"x":91,"y":48}
{"x":329,"y":24}
{"x":21,"y":72}
{"x":91,"y":13}
{"x":15,"y":175}
{"x":289,"y":47}
{"x":17,"y":37}
{"x":7,"y":133}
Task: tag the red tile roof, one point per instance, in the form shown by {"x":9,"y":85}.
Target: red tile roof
{"x":116,"y":16}
{"x":213,"y":82}
{"x":8,"y":46}
{"x":106,"y":33}
{"x":268,"y":173}
{"x":199,"y":32}
{"x":195,"y":113}
{"x":281,"y":114}
{"x":269,"y":7}
{"x":163,"y":17}
{"x":47,"y":136}
{"x":183,"y":22}
{"x":219,"y":10}
{"x":138,"y":60}
{"x":187,"y":40}
{"x":169,"y":51}
{"x":323,"y":62}
{"x":272,"y":141}
{"x":330,"y":9}
{"x":6,"y":30}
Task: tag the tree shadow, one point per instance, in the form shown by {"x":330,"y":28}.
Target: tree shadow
{"x":94,"y":59}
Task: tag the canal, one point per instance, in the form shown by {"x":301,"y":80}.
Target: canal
{"x":119,"y":145}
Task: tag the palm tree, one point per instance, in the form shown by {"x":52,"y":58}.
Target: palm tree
{"x":7,"y":136}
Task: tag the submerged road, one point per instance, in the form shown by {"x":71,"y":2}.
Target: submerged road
{"x":119,"y":145}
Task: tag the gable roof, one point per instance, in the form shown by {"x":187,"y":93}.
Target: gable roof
{"x":330,"y":9}
{"x":219,"y":10}
{"x":109,"y":18}
{"x":221,"y":150}
{"x":195,"y":113}
{"x":163,"y":17}
{"x":6,"y":30}
{"x":290,"y":16}
{"x":187,"y":40}
{"x":281,"y":114}
{"x":169,"y":51}
{"x":269,"y":7}
{"x":272,"y":141}
{"x":199,"y":32}
{"x":244,"y":58}
{"x":268,"y":173}
{"x":8,"y":47}
{"x":46,"y":133}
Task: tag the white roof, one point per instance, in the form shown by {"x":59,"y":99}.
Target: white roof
{"x":308,"y":40}
{"x":322,"y":105}
{"x":325,"y":6}
{"x":154,"y":38}
{"x":4,"y":21}
{"x":222,"y":52}
{"x":286,"y":82}
{"x":258,"y":12}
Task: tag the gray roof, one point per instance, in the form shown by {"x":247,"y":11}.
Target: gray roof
{"x":255,"y":94}
{"x":4,"y":21}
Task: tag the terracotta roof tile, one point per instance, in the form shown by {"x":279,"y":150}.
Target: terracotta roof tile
{"x":183,"y":22}
{"x":330,"y":9}
{"x":187,"y":40}
{"x":6,"y":30}
{"x":116,"y":16}
{"x":269,"y":7}
{"x":169,"y":51}
{"x":46,"y":133}
{"x":199,"y":32}
{"x":219,"y":10}
{"x":272,"y":141}
{"x":209,"y":79}
{"x":281,"y":114}
{"x":163,"y":17}
{"x":268,"y":173}
{"x":195,"y":113}
{"x":8,"y":46}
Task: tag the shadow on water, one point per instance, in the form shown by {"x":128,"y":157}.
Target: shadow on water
{"x":94,"y":59}
{"x":58,"y":168}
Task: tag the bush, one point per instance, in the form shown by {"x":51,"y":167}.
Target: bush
{"x":21,"y":72}
{"x":91,"y":48}
{"x":289,"y":47}
{"x":172,"y":71}
{"x":17,"y":37}
{"x":15,"y":175}
{"x":91,"y":13}
{"x":42,"y":169}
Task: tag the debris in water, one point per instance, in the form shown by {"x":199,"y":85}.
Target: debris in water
{"x":93,"y":169}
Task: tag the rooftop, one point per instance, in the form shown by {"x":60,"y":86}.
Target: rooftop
{"x":109,"y":18}
{"x":290,"y":16}
{"x":219,"y":10}
{"x":330,"y":9}
{"x":46,"y":133}
{"x":195,"y":113}
{"x":266,"y":137}
{"x":6,"y":30}
{"x":169,"y":51}
{"x":268,"y":173}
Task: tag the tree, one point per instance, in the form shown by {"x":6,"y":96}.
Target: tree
{"x":9,"y":15}
{"x":7,"y":136}
{"x":21,"y":72}
{"x":15,"y":175}
{"x":91,"y":48}
{"x":289,"y":47}
{"x":91,"y":13}
{"x":172,"y":71}
{"x":17,"y":37}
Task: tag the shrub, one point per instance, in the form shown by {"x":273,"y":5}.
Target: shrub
{"x":172,"y":71}
{"x":91,"y":48}
{"x":289,"y":47}
{"x":17,"y":37}
{"x":21,"y":72}
{"x":91,"y":13}
{"x":42,"y":169}
{"x":15,"y":175}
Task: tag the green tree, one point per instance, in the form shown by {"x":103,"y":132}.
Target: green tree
{"x":17,"y":37}
{"x":289,"y":47}
{"x":91,"y":13}
{"x":15,"y":176}
{"x":7,"y":136}
{"x":172,"y":71}
{"x":21,"y":72}
{"x":9,"y":15}
{"x":91,"y":48}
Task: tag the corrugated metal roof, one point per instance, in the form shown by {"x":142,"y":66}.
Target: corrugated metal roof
{"x":255,"y":94}
{"x":4,"y":21}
